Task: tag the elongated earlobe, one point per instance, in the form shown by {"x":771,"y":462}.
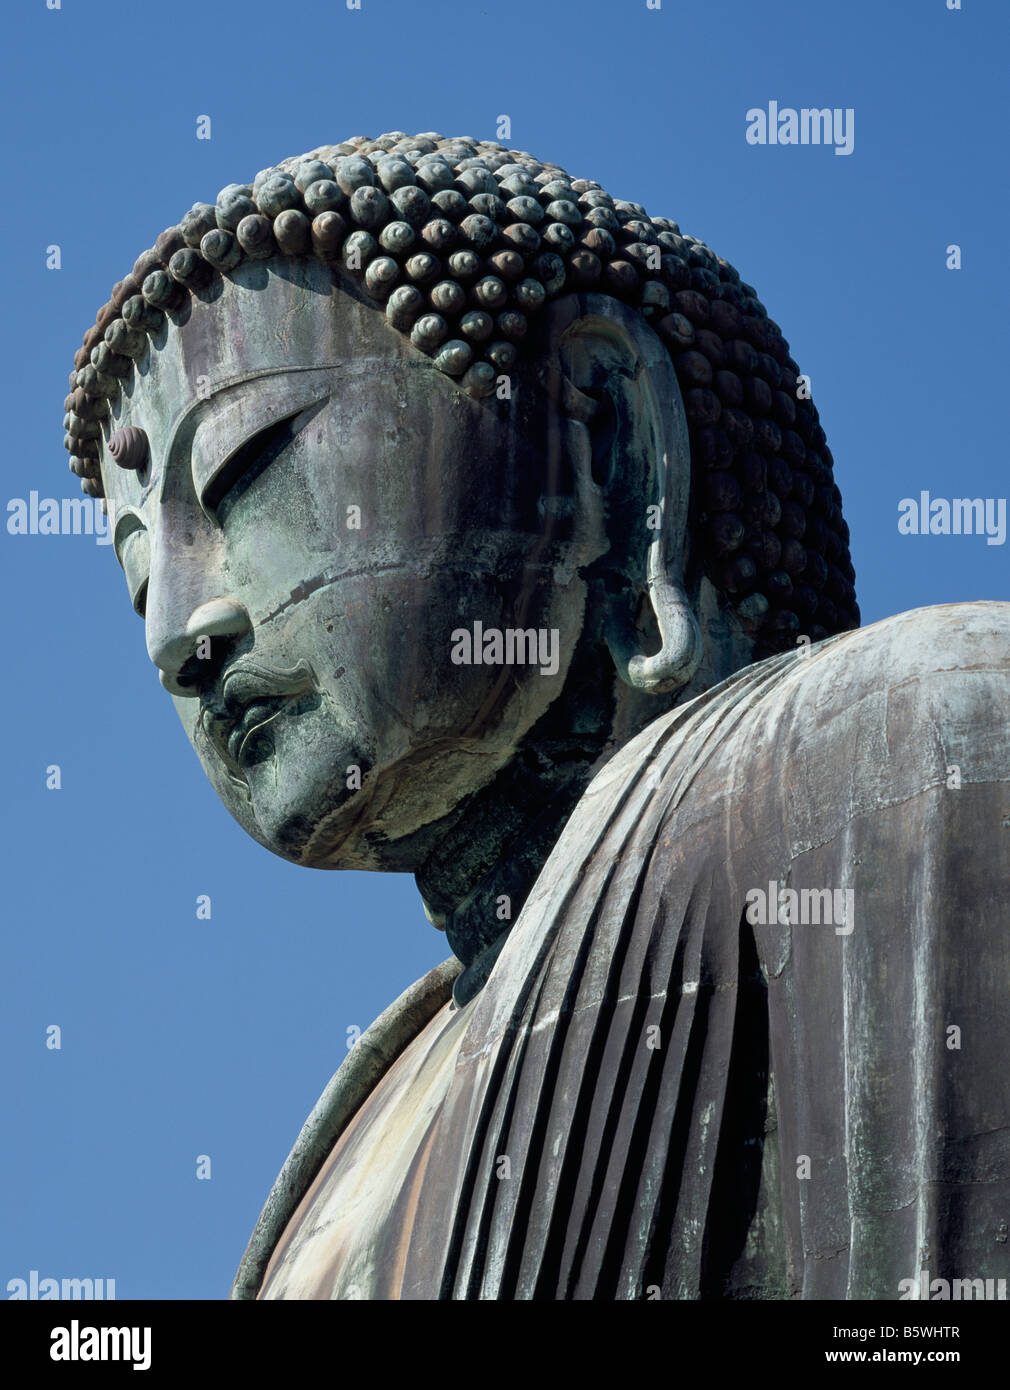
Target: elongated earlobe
{"x":680,"y":651}
{"x":679,"y":655}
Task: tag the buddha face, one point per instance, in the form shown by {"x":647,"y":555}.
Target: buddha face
{"x":322,"y":513}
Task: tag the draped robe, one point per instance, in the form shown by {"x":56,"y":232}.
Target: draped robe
{"x":666,"y":1090}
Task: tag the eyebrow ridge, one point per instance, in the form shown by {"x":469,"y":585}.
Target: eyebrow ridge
{"x":193,"y":407}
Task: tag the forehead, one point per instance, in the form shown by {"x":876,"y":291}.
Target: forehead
{"x":268,"y":318}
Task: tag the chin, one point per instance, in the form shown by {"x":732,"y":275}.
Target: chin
{"x":313,"y":821}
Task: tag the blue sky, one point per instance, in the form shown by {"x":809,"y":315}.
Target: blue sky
{"x":181,"y":1036}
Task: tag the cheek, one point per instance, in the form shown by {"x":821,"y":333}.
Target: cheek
{"x":406,"y":674}
{"x":382,"y":643}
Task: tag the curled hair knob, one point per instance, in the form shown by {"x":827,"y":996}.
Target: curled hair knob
{"x":128,"y":447}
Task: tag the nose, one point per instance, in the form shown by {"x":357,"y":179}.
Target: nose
{"x":188,"y":619}
{"x":180,"y":663}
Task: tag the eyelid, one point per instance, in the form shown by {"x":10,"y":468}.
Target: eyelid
{"x":127,"y":521}
{"x":132,"y":545}
{"x":241,"y":469}
{"x":244,"y":412}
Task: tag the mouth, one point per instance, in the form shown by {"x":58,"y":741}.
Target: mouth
{"x":250,"y":698}
{"x":243,"y":741}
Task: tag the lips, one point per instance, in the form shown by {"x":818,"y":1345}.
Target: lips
{"x":251,"y":697}
{"x":254,"y":717}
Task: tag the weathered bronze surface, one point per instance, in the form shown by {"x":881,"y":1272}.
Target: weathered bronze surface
{"x":481,"y":527}
{"x":653,"y":1067}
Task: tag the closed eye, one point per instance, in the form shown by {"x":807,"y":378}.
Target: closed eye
{"x":250,"y":460}
{"x":133,"y":551}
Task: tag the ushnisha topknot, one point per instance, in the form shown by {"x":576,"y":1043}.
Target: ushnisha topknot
{"x":463,"y":241}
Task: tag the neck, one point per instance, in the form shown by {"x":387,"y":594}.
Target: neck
{"x":480,"y":869}
{"x":476,"y":879}
{"x":482,"y":862}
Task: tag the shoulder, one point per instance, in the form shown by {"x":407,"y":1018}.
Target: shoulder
{"x":860,"y":720}
{"x":947,"y":637}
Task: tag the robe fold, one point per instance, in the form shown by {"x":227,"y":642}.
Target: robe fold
{"x":749,"y":1036}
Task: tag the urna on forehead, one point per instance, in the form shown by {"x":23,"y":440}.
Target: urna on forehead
{"x":461,"y":244}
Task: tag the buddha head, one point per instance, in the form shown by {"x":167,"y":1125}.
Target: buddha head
{"x":435,"y":475}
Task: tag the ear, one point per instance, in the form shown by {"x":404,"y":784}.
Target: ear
{"x":614,"y":382}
